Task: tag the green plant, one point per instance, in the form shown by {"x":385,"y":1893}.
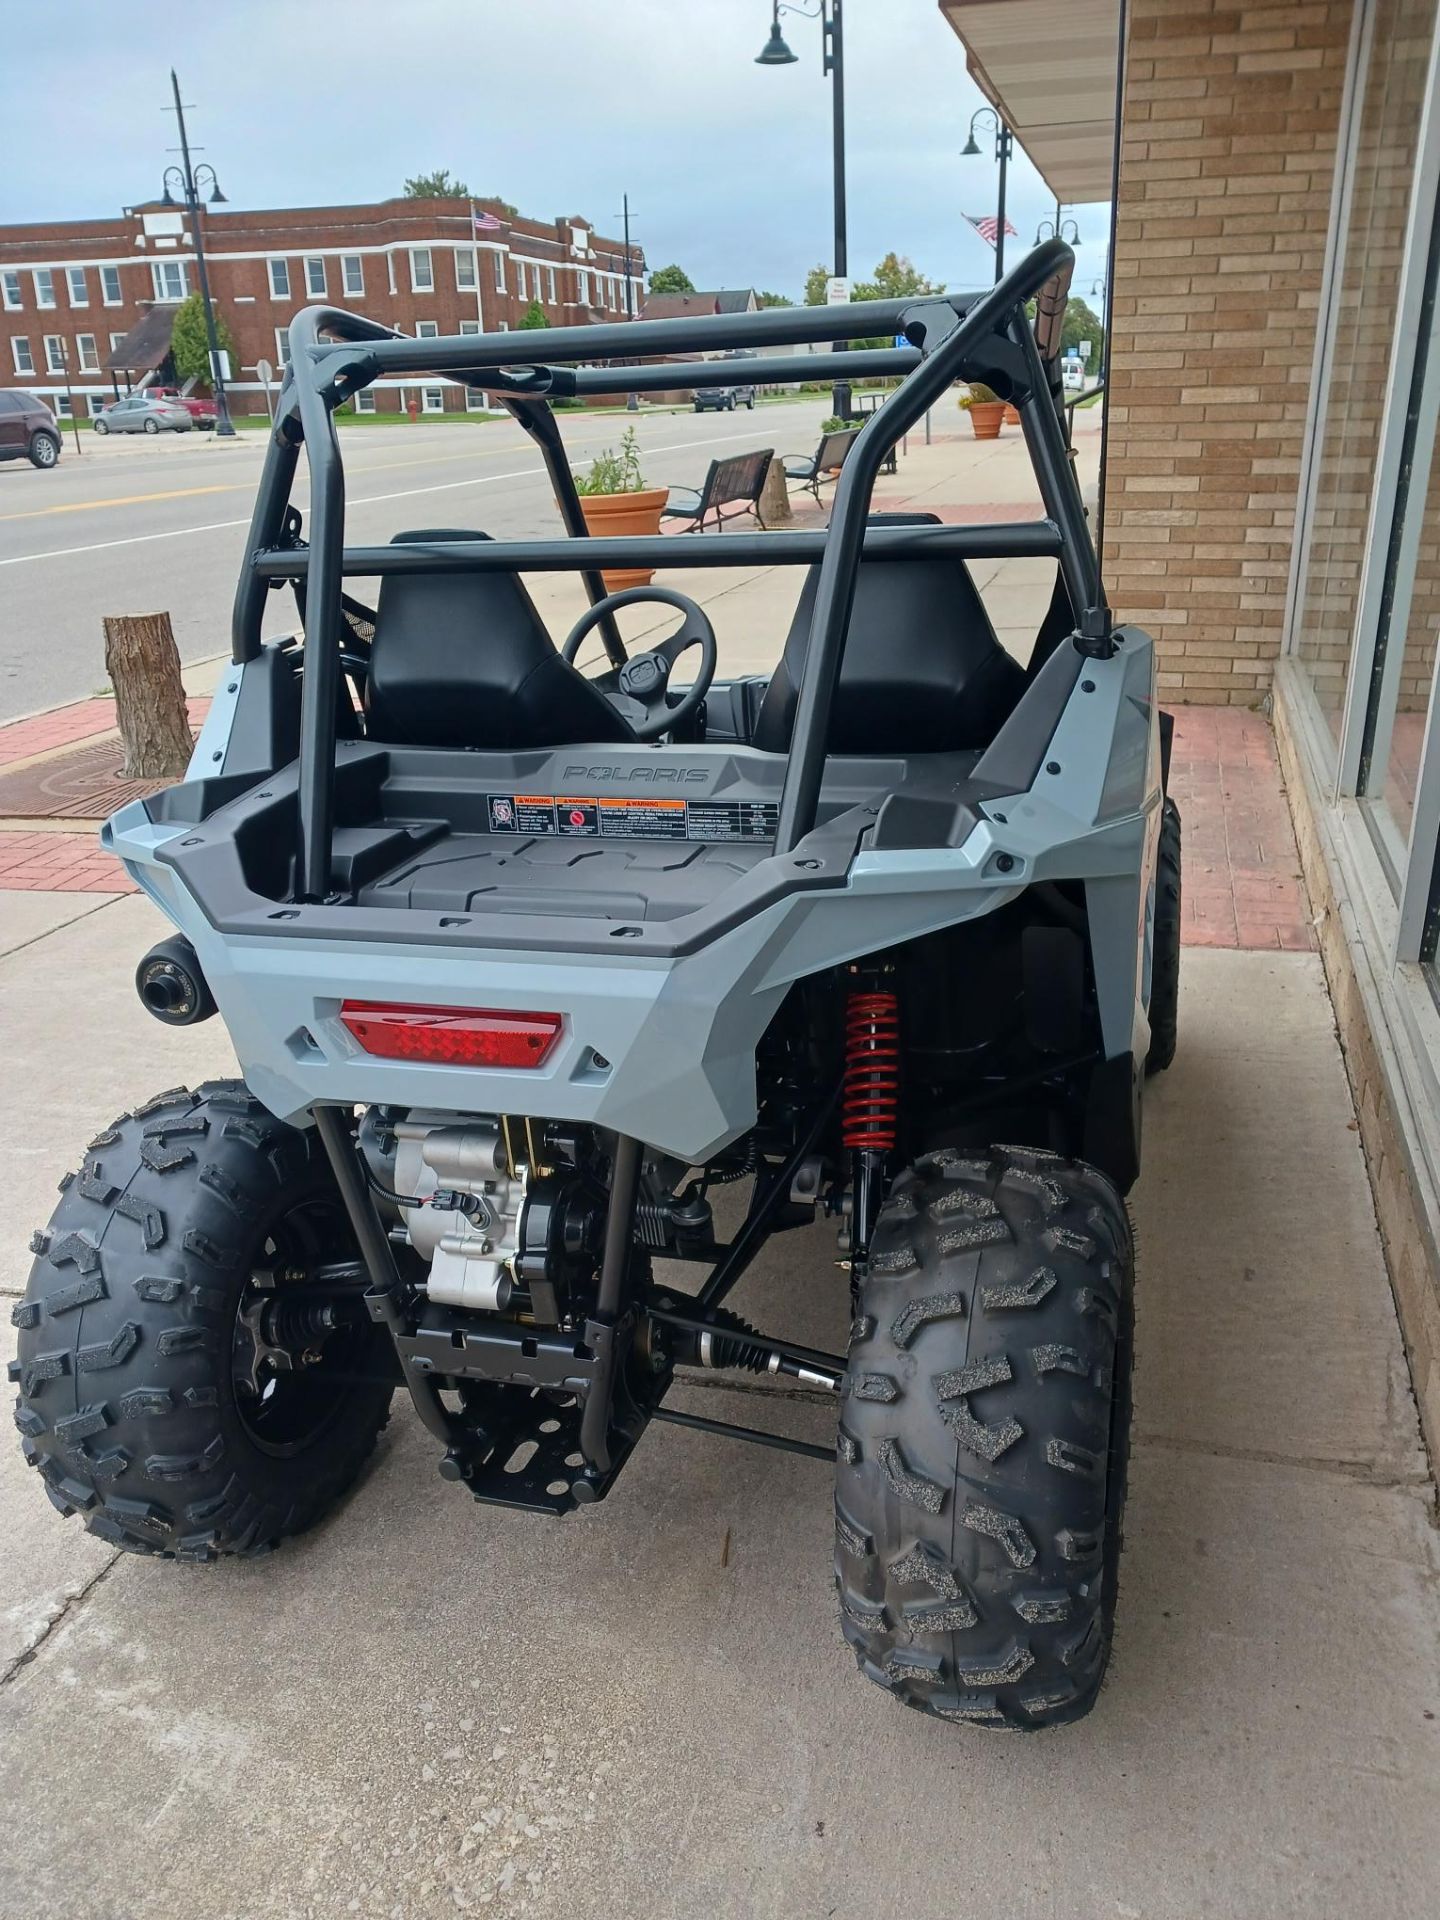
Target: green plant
{"x":835,"y":424}
{"x":534,"y":316}
{"x":188,"y":344}
{"x":612,"y":472}
{"x":976,"y":395}
{"x":436,"y":186}
{"x":671,"y":279}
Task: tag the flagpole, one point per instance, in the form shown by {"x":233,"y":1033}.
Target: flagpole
{"x":475,"y":261}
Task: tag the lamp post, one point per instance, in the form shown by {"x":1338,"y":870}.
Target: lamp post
{"x":832,"y":47}
{"x":190,"y":180}
{"x":1004,"y":147}
{"x":1058,"y":229}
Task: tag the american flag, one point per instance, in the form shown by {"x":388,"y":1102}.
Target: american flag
{"x":486,"y":223}
{"x":988,"y":227}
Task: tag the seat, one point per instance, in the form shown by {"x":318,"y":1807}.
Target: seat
{"x":922,"y":670}
{"x":464,"y":660}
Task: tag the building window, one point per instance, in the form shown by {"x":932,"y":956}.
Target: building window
{"x":315,"y":277}
{"x":422,"y":270}
{"x":520,"y":279}
{"x":469,"y":326}
{"x":476,"y":401}
{"x":465,"y":269}
{"x":44,"y":287}
{"x":115,"y":340}
{"x":10,"y":283}
{"x":550,"y":285}
{"x":427,"y":329}
{"x":282,"y":345}
{"x":352,"y":269}
{"x":20,"y":353}
{"x":168,"y":277}
{"x":110,"y":286}
{"x":365,"y":400}
{"x":432,"y":399}
{"x":76,"y":287}
{"x":54,"y":353}
{"x":63,"y":408}
{"x":499,"y":260}
{"x":85,"y":349}
{"x":582,"y":281}
{"x":279,"y":279}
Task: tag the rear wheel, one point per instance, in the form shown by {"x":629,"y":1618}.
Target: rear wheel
{"x":1165,"y":961}
{"x":191,"y":1379}
{"x":152,"y":426}
{"x":44,"y":449}
{"x":983,"y":1439}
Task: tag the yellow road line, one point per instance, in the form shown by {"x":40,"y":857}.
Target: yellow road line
{"x":133,"y":499}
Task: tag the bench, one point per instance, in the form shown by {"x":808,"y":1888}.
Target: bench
{"x":735,"y":482}
{"x":813,"y":470}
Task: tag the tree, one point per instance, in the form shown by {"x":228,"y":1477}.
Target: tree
{"x":188,"y":344}
{"x":1082,"y":324}
{"x":436,"y":186}
{"x":815,"y":284}
{"x":896,"y":278}
{"x":535,"y":316}
{"x":774,"y":299}
{"x":671,"y":279}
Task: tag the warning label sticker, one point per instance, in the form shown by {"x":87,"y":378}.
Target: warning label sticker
{"x":539,"y":814}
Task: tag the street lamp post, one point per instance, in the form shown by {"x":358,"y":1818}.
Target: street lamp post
{"x":1058,"y":229}
{"x":832,"y":47}
{"x":1004,"y":147}
{"x":190,"y":180}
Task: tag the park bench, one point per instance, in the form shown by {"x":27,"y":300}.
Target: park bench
{"x":813,"y":470}
{"x":735,"y":482}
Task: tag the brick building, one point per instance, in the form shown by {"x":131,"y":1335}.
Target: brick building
{"x":74,"y":290}
{"x":1272,"y":467}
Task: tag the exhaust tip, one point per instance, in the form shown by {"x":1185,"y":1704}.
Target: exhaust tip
{"x":171,"y":985}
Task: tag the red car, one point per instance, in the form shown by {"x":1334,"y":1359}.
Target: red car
{"x":200,"y":410}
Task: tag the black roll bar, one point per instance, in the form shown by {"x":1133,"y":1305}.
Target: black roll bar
{"x":979,"y":337}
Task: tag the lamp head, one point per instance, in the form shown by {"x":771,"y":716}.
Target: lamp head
{"x":775,"y":52}
{"x":970,"y":150}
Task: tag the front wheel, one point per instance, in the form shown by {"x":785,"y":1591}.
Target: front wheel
{"x":101,"y":427}
{"x":983,"y":1439}
{"x":44,"y":449}
{"x":198,"y":1373}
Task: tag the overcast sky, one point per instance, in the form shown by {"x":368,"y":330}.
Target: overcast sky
{"x":559,"y":106}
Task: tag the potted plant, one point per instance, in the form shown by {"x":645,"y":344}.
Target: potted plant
{"x":615,"y":500}
{"x":986,"y":410}
{"x":1012,"y":414}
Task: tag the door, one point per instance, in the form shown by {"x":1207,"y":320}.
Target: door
{"x":12,"y":425}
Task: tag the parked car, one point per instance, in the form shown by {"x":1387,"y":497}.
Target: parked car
{"x":202,"y":411}
{"x":1072,"y":373}
{"x":143,"y":413}
{"x":28,"y":429}
{"x":726,"y":399}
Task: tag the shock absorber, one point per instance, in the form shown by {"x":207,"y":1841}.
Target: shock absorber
{"x":870,"y":1103}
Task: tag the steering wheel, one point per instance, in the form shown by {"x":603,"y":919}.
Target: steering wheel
{"x":639,"y":691}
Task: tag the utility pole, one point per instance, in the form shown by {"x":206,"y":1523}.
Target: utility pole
{"x":629,"y":269}
{"x":224,"y":428}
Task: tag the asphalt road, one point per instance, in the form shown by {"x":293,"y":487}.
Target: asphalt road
{"x":140,"y":526}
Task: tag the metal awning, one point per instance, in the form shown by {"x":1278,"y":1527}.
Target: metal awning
{"x":1049,"y":66}
{"x":146,"y":344}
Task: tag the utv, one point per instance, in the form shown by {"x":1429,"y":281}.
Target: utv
{"x":522,"y":966}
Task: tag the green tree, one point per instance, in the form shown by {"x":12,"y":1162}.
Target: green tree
{"x":1081,"y":323}
{"x":436,"y":186}
{"x":815,"y":283}
{"x":896,"y":278}
{"x":535,"y":316}
{"x":671,"y":279}
{"x":188,"y":345}
{"x":774,"y":300}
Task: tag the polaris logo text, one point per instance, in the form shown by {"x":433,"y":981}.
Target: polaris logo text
{"x":657,"y":776}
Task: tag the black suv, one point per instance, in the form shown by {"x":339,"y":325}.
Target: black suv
{"x":28,"y":429}
{"x":726,"y":399}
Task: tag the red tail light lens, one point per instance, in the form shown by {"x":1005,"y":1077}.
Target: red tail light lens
{"x":452,"y":1036}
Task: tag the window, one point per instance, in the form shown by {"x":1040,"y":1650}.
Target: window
{"x":499,"y":260}
{"x":352,"y":270}
{"x":168,"y":277}
{"x":85,"y":350}
{"x":315,"y":277}
{"x":427,"y":329}
{"x":279,"y":279}
{"x":76,"y":285}
{"x":10,"y":283}
{"x":54,"y":353}
{"x":582,"y":281}
{"x":20,"y":353}
{"x":422,"y":270}
{"x":282,"y":345}
{"x":520,"y":279}
{"x":365,"y":400}
{"x":110,"y":286}
{"x":115,"y":340}
{"x":63,"y":408}
{"x":465,"y":269}
{"x":476,"y":401}
{"x":44,"y":287}
{"x":469,"y":326}
{"x":550,"y":284}
{"x":432,"y":399}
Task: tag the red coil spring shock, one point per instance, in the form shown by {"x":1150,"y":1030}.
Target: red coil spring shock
{"x":871,"y":1103}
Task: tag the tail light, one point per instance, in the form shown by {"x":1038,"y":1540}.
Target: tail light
{"x":452,"y":1036}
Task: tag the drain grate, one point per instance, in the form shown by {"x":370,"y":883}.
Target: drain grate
{"x":84,"y":785}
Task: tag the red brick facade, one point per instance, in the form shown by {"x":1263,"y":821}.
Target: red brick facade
{"x":407,"y":263}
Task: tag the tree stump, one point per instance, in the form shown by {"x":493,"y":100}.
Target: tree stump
{"x":144,"y":668}
{"x":774,"y":496}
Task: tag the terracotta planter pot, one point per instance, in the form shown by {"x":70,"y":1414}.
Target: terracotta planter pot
{"x":985,"y":418}
{"x":1012,"y":415}
{"x":610,"y":515}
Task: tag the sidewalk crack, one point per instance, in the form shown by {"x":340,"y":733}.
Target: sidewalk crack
{"x":61,"y":1614}
{"x":1364,"y":1473}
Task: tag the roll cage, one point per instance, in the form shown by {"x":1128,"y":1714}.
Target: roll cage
{"x":977,"y":336}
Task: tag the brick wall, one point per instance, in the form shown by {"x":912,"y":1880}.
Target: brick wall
{"x":1227,"y":163}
